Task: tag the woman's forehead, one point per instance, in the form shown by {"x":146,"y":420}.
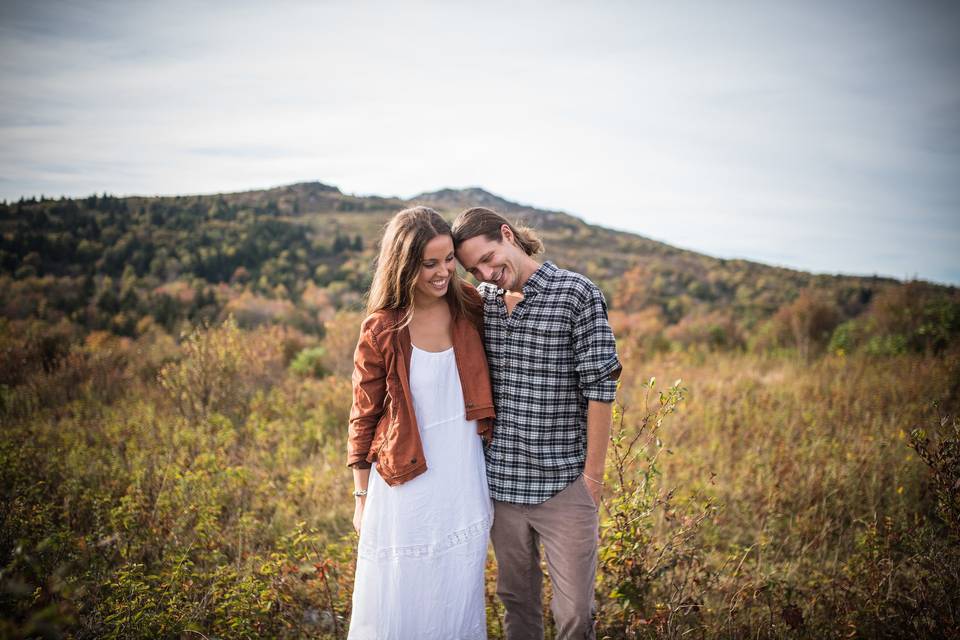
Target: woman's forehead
{"x":438,"y":247}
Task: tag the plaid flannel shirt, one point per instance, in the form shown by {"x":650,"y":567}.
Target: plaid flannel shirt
{"x":548,"y":358}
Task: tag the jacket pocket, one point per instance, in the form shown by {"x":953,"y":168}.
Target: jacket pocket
{"x":384,"y":462}
{"x":379,"y":438}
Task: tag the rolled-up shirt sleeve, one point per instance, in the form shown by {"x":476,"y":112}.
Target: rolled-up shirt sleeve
{"x":369,"y":392}
{"x":595,"y":349}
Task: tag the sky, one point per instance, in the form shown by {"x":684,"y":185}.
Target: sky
{"x":818,"y":135}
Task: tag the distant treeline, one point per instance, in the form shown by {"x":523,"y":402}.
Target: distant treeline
{"x":296,"y":255}
{"x":107,"y":263}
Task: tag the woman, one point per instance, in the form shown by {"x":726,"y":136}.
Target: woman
{"x":421,"y":403}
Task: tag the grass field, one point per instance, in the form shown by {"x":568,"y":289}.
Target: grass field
{"x":198,"y":491}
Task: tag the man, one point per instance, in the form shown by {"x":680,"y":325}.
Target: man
{"x":554,"y":365}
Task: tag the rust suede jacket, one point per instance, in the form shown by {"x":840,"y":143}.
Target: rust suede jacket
{"x":383,"y":425}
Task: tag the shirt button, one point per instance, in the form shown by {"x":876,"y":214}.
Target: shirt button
{"x":413,"y":461}
{"x":469,"y":404}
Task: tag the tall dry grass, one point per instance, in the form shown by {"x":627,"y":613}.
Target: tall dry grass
{"x":809,"y":463}
{"x":203,"y":491}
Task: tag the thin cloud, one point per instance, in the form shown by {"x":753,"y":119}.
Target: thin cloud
{"x":822,"y":136}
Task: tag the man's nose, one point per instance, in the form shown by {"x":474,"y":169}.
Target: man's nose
{"x":484,"y":273}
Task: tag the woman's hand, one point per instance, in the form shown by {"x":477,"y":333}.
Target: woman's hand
{"x":361,"y":480}
{"x":358,"y":513}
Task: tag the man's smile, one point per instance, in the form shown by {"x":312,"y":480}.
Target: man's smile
{"x":497,"y":277}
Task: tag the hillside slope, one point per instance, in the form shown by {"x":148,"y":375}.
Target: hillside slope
{"x":295,"y":253}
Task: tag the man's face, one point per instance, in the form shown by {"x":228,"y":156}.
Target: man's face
{"x":493,"y":261}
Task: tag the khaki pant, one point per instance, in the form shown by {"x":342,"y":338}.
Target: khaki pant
{"x":567,"y":525}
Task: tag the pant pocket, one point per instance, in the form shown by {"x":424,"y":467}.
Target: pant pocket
{"x":585,"y":493}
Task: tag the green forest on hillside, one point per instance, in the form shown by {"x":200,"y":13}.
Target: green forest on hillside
{"x":175,"y":384}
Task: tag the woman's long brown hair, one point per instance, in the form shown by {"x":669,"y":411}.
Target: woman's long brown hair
{"x":401,"y":252}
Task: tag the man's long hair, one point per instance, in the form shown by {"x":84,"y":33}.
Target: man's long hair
{"x":480,"y":221}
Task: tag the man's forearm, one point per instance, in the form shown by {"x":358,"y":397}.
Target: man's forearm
{"x":599,"y":416}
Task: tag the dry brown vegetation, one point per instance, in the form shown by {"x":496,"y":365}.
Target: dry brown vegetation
{"x":765,"y":495}
{"x":169,"y":470}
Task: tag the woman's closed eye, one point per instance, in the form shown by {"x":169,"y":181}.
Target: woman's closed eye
{"x":429,"y":264}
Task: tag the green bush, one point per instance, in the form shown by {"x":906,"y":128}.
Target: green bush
{"x":886,"y":345}
{"x":845,"y":338}
{"x":651,"y":571}
{"x":310,"y":362}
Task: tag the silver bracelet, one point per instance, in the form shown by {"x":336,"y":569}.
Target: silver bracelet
{"x":593,"y":479}
{"x":359,"y":493}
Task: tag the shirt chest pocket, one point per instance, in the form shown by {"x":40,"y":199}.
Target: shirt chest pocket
{"x":551,"y":347}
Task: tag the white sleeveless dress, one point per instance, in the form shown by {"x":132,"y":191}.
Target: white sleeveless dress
{"x":423,"y":544}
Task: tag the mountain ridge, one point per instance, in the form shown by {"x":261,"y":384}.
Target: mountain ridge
{"x":309,"y":241}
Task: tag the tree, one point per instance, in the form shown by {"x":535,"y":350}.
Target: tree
{"x":807,"y":322}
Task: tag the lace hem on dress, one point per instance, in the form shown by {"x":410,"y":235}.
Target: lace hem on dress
{"x":450,"y":541}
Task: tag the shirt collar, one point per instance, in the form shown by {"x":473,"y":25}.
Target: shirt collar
{"x":538,"y":279}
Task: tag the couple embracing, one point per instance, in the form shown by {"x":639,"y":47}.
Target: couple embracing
{"x":476,"y":413}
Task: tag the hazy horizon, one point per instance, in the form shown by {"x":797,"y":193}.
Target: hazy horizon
{"x":823,"y":137}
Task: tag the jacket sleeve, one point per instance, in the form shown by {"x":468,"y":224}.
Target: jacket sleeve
{"x":369,"y":392}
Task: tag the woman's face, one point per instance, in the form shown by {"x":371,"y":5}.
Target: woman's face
{"x":436,"y":269}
